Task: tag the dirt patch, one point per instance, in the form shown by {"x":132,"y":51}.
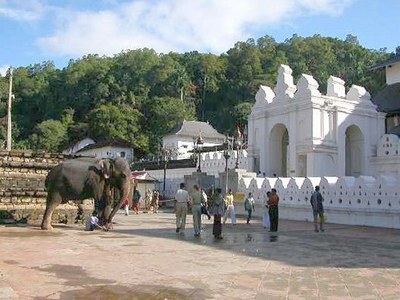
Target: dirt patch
{"x":29,"y":234}
{"x":118,"y":292}
{"x":10,"y":262}
{"x":74,"y":275}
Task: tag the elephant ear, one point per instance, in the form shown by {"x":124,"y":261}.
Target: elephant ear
{"x":104,"y":166}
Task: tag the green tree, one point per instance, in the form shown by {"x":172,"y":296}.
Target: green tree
{"x":109,"y":122}
{"x":166,"y":114}
{"x":48,"y":136}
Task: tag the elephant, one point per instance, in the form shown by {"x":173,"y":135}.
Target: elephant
{"x":83,"y":178}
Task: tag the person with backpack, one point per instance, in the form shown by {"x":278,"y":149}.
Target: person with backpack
{"x":249,"y":206}
{"x":318,"y":209}
{"x":204,"y":204}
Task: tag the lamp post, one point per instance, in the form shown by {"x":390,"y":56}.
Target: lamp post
{"x":165,"y":158}
{"x":238,"y":145}
{"x":10,"y":96}
{"x":199,"y":146}
{"x":226,"y":156}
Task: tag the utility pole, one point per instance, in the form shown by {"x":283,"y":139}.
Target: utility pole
{"x":10,"y":96}
{"x":204,"y":97}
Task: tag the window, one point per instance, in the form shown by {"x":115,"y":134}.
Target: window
{"x":122,"y":154}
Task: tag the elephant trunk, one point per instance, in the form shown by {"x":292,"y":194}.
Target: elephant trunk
{"x":124,"y":192}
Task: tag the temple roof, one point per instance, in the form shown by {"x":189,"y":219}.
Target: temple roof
{"x":391,"y":61}
{"x":395,"y":130}
{"x":388,"y":99}
{"x":193,"y":128}
{"x":106,"y":143}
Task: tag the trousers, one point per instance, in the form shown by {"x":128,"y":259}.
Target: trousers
{"x":180,"y":213}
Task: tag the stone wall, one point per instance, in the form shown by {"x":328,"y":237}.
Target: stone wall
{"x":22,"y":189}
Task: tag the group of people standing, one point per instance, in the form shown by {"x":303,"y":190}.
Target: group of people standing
{"x":223,"y":207}
{"x":151,"y":201}
{"x":198,"y":200}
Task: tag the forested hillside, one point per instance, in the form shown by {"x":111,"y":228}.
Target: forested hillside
{"x":140,"y":95}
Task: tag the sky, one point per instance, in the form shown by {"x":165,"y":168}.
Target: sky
{"x":34,"y":31}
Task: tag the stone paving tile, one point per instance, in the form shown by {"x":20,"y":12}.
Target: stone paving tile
{"x":143,"y":258}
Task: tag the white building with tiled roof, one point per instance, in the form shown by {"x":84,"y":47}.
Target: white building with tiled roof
{"x":102,"y":149}
{"x":183,"y":139}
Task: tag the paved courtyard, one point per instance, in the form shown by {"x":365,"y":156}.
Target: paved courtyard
{"x":143,"y":258}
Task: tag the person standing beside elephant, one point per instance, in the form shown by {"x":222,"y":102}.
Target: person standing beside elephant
{"x":136,"y":200}
{"x":181,"y":206}
{"x":126,"y":206}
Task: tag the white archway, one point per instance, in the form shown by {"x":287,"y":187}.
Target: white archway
{"x":278,"y":150}
{"x":355,"y":151}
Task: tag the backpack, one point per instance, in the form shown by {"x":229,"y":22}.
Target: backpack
{"x":247,"y":204}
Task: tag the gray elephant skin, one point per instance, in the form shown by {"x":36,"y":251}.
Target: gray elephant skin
{"x":83,"y":178}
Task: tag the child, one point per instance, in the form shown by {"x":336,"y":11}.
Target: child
{"x":249,"y":206}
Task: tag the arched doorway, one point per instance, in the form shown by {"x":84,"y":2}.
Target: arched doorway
{"x":354,"y":163}
{"x":278,"y":150}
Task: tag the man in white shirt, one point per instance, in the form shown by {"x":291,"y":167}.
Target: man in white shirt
{"x":181,"y":206}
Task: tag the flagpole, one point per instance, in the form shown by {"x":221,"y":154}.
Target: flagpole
{"x":9,"y":112}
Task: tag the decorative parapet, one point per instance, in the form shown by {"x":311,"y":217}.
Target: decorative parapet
{"x":264,"y":96}
{"x":336,"y":87}
{"x":358,"y":93}
{"x":307,"y":87}
{"x":284,"y":85}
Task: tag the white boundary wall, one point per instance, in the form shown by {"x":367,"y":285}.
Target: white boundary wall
{"x":363,"y":200}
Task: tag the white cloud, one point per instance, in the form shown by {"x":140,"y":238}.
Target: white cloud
{"x":27,"y":10}
{"x":175,"y":25}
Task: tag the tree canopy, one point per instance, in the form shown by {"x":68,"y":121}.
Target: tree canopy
{"x":140,"y":95}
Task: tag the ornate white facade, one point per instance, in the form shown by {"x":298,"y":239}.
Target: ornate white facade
{"x":294,"y":130}
{"x":300,"y":138}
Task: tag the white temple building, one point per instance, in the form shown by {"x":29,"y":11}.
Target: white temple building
{"x":183,"y":138}
{"x":343,"y":141}
{"x":294,"y":130}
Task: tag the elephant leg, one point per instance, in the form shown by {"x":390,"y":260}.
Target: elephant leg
{"x":53,"y":201}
